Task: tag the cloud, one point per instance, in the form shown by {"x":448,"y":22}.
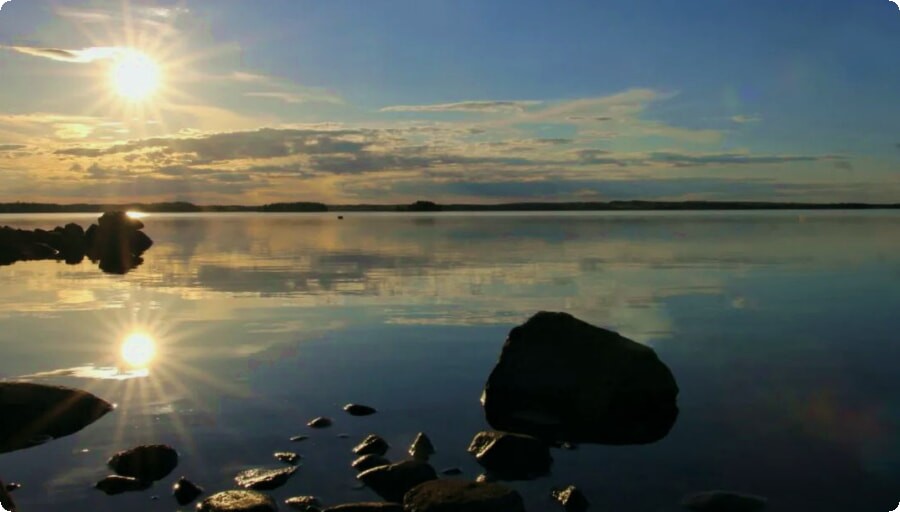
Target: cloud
{"x":83,"y":56}
{"x":12,"y":147}
{"x":687,"y":160}
{"x":295,"y":97}
{"x":466,"y":106}
{"x":742,"y":119}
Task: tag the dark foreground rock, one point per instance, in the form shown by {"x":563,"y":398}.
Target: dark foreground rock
{"x":462,"y":496}
{"x":393,"y":481}
{"x":116,"y":242}
{"x":359,"y":410}
{"x":367,"y":506}
{"x":31,"y":414}
{"x":6,"y":500}
{"x":723,"y":501}
{"x":304,"y":503}
{"x":369,"y":461}
{"x":560,"y":378}
{"x":372,"y":445}
{"x":264,"y":479}
{"x":149,"y":462}
{"x":186,"y":491}
{"x":571,"y":498}
{"x":421,"y":447}
{"x":238,"y":501}
{"x":511,"y":456}
{"x":116,"y":484}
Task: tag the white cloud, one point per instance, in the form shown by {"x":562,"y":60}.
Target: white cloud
{"x":466,"y":106}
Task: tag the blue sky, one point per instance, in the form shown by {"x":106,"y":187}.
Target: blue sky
{"x":475,"y":101}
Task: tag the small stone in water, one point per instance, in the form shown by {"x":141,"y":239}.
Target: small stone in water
{"x":287,"y":457}
{"x":369,"y":461}
{"x":571,"y":499}
{"x":238,"y":501}
{"x":264,"y":479}
{"x":304,"y":503}
{"x":372,"y":444}
{"x":421,"y":447}
{"x":116,"y":484}
{"x":320,"y":422}
{"x":13,"y":486}
{"x":343,"y":436}
{"x":452,"y":471}
{"x":186,"y":491}
{"x":359,"y":410}
{"x":297,"y":439}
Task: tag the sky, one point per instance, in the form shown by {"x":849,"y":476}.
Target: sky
{"x":239,"y":102}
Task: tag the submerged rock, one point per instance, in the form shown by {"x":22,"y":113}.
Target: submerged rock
{"x":511,"y":456}
{"x":186,"y":491}
{"x":264,"y":479}
{"x":367,"y":506}
{"x":723,"y":501}
{"x":571,"y":498}
{"x":148,"y":462}
{"x":12,"y":486}
{"x":560,"y":378}
{"x":297,"y":439}
{"x":462,"y":496}
{"x":320,"y":422}
{"x":372,"y":445}
{"x":451,"y":471}
{"x":31,"y":414}
{"x":116,"y":484}
{"x":288,"y":457}
{"x":304,"y":503}
{"x":391,"y":482}
{"x":421,"y":448}
{"x":359,"y":410}
{"x":369,"y":461}
{"x":238,"y":501}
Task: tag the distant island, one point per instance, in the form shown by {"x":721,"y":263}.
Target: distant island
{"x":429,"y":206}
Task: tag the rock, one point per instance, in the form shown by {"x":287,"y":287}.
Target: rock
{"x":372,"y":445}
{"x":571,"y":498}
{"x":462,"y":496}
{"x":117,"y":242}
{"x":560,"y":378}
{"x":304,"y":503}
{"x":116,"y":484}
{"x":288,"y":457}
{"x":393,"y":481}
{"x":451,"y":471}
{"x":320,"y":422}
{"x":31,"y":414}
{"x":264,"y":479}
{"x":369,"y":506}
{"x":238,"y":501}
{"x":12,"y":486}
{"x":186,"y":491}
{"x":723,"y":501}
{"x":297,"y":439}
{"x":421,"y":448}
{"x":6,"y":500}
{"x":148,"y":462}
{"x":511,"y":456}
{"x":359,"y":410}
{"x":368,"y":462}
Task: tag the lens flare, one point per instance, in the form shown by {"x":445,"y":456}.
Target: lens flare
{"x":138,"y":350}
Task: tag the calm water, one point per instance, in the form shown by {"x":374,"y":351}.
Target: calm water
{"x":781,"y":329}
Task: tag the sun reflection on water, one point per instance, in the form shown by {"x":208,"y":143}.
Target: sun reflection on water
{"x":138,"y":350}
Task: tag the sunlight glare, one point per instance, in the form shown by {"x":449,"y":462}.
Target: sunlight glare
{"x":138,"y":350}
{"x":135,"y":215}
{"x":135,"y":76}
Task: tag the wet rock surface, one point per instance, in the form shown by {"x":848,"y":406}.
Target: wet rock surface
{"x":148,"y":462}
{"x":366,"y":506}
{"x":260,"y":479}
{"x":288,"y":457}
{"x":304,"y":503}
{"x":31,"y":414}
{"x":116,"y":242}
{"x":560,"y":378}
{"x":723,"y":501}
{"x":462,"y":496}
{"x":571,"y":498}
{"x":359,"y":410}
{"x":372,"y":445}
{"x":511,"y":456}
{"x":297,"y":439}
{"x":369,"y":461}
{"x":393,"y":481}
{"x":320,"y":422}
{"x":238,"y":501}
{"x":12,"y":486}
{"x":186,"y":491}
{"x":116,"y":484}
{"x":421,"y":447}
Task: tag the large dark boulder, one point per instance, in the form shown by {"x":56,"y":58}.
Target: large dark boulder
{"x":149,"y":462}
{"x":391,"y":482}
{"x":511,"y":456}
{"x":462,"y":496}
{"x":117,"y":242}
{"x":31,"y":414}
{"x":563,"y":379}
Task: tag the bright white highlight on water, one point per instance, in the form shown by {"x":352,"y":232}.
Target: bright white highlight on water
{"x":138,"y":350}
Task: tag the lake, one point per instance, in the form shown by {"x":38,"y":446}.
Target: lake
{"x":780,"y":327}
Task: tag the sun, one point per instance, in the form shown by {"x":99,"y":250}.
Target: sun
{"x":138,"y":350}
{"x":135,"y":76}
